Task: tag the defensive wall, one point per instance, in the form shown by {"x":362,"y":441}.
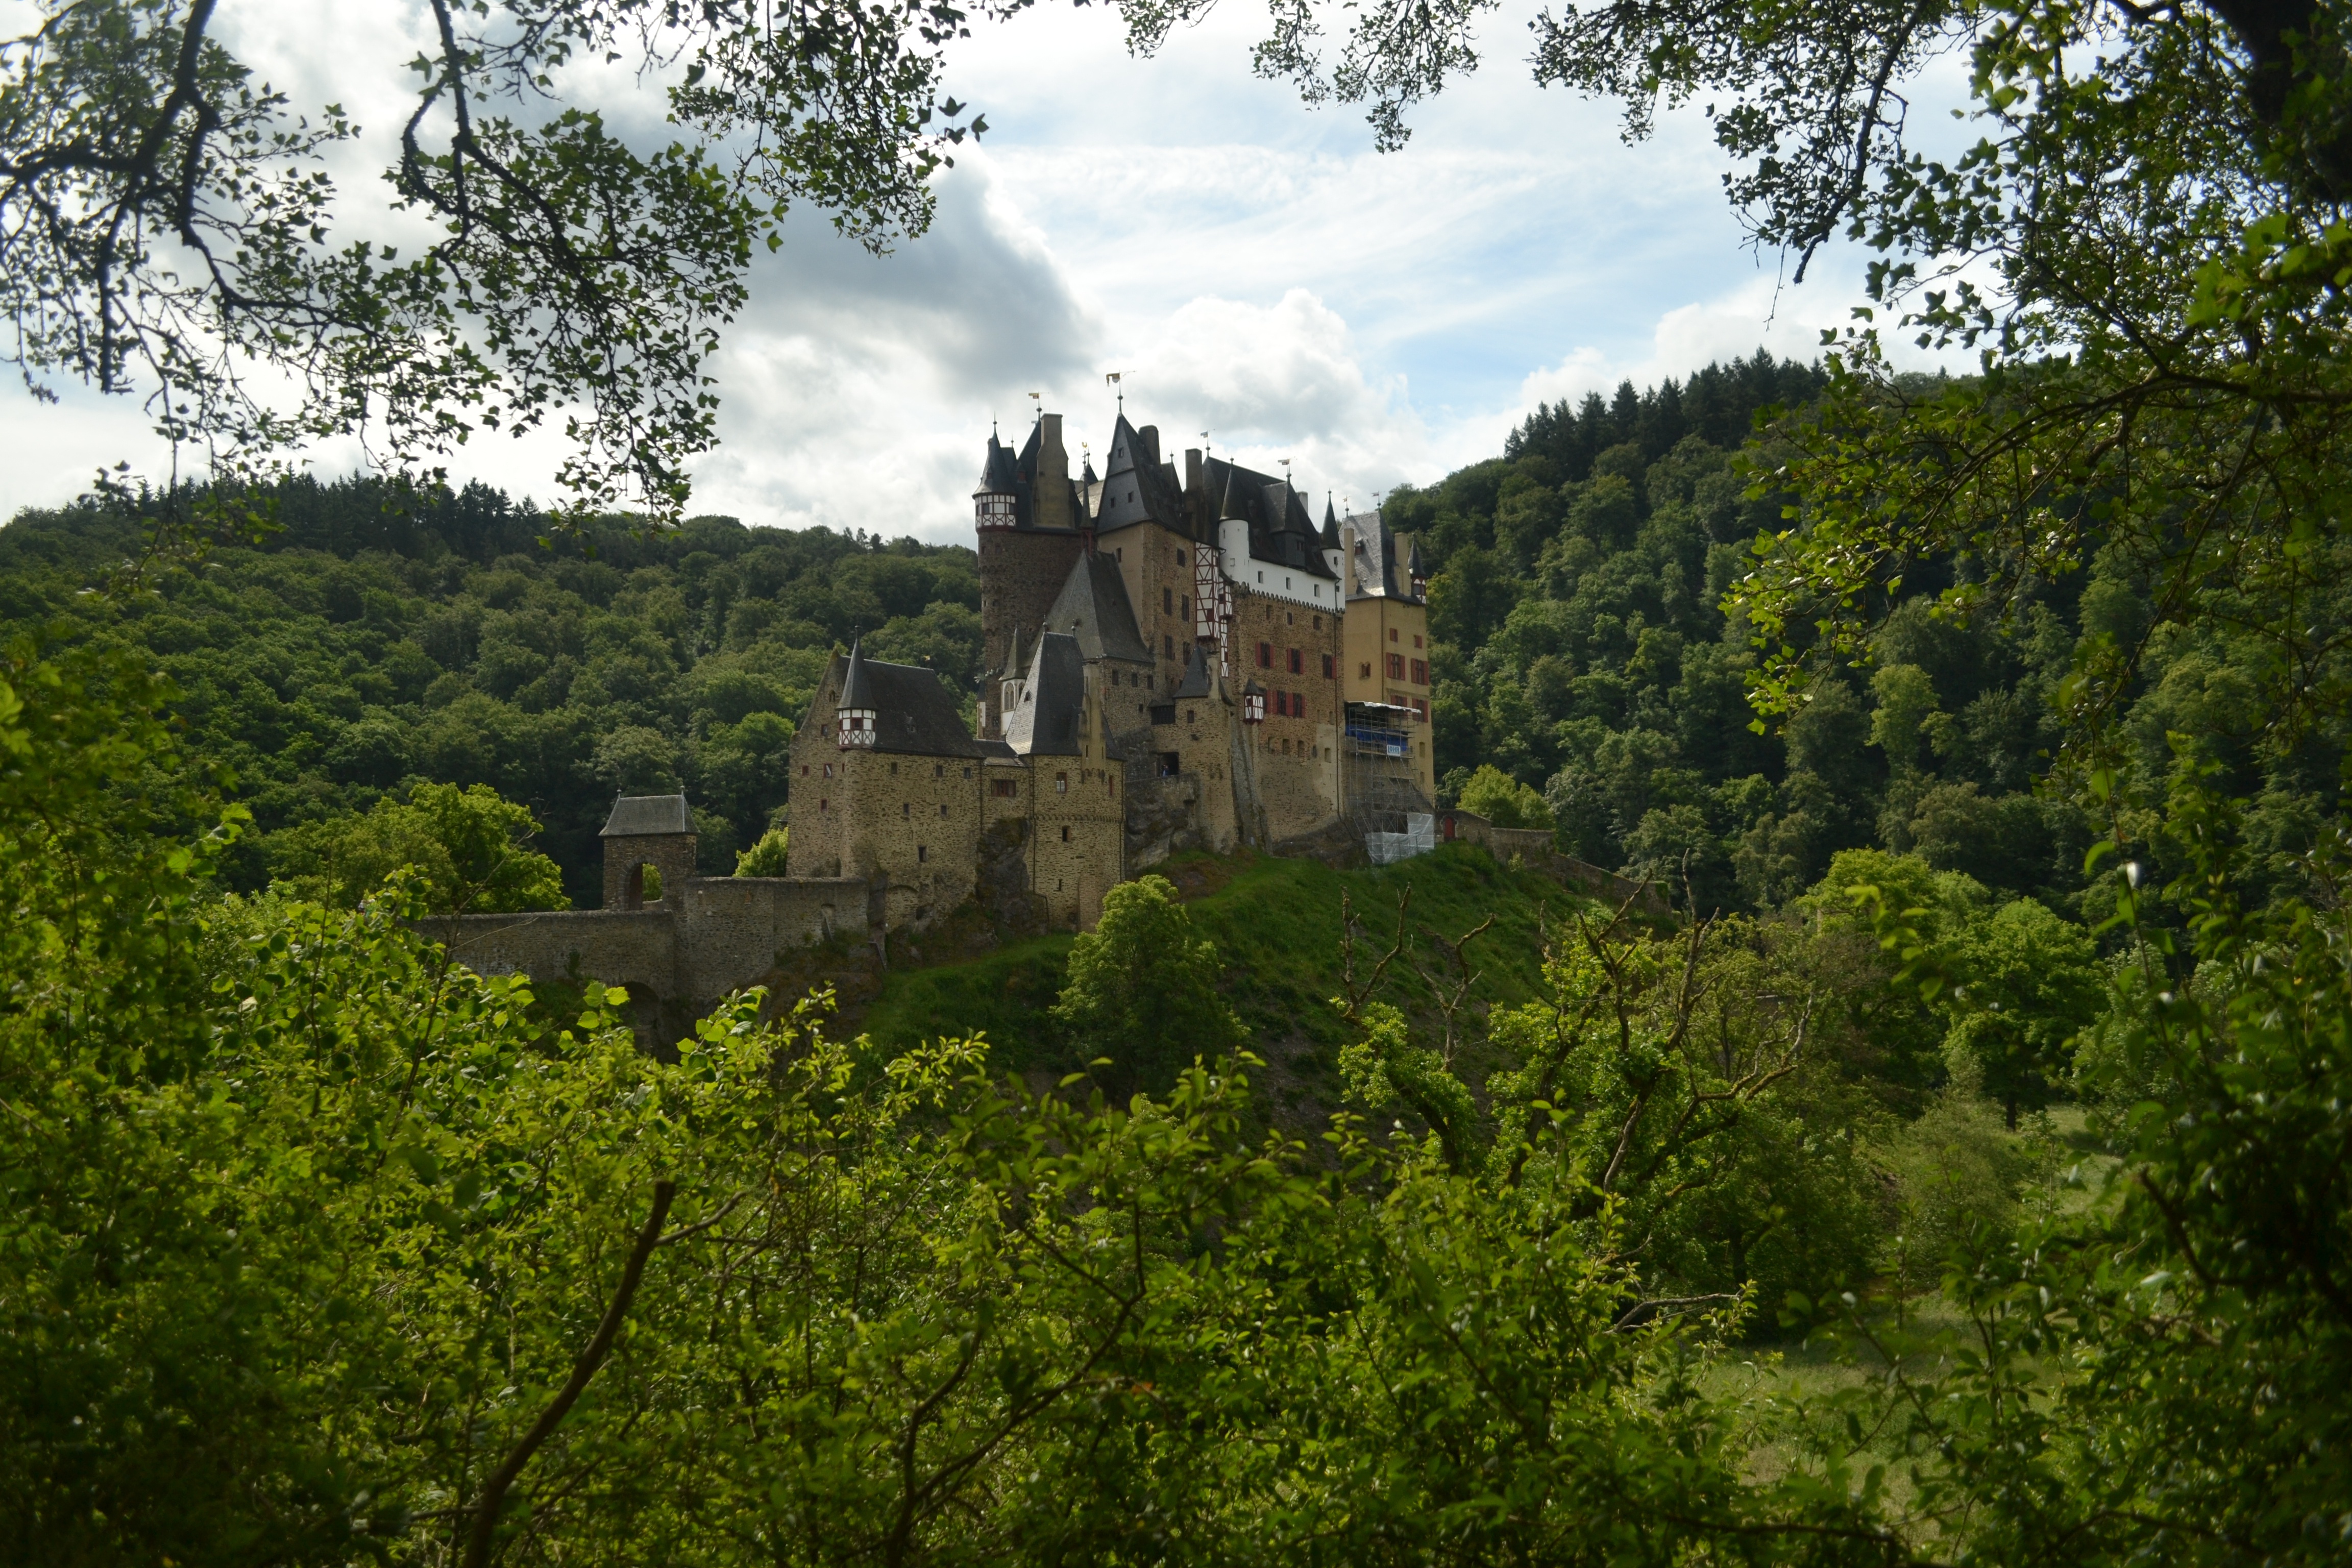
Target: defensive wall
{"x":1533,"y":848}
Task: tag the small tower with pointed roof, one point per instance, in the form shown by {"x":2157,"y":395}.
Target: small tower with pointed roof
{"x":1025,"y":554}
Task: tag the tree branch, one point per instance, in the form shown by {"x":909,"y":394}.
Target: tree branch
{"x":495,"y":1490}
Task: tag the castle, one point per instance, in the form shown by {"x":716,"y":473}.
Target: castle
{"x":1173,"y":660}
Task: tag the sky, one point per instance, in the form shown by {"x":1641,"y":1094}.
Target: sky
{"x":1250,"y":268}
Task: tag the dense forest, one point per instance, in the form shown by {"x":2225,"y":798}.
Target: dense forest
{"x":1112,"y":1281}
{"x":376,"y":637}
{"x":1583,"y":648}
{"x":359,"y":639}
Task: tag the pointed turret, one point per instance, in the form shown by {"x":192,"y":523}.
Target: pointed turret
{"x":855,"y":711}
{"x":1333,"y":559}
{"x":997,"y":502}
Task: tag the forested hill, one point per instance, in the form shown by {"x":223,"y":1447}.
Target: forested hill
{"x":1581,"y":650}
{"x":379,"y":638}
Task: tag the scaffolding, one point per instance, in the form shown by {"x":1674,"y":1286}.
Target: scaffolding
{"x":1384,"y":799}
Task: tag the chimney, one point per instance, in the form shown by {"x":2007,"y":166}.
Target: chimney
{"x":1194,"y":501}
{"x":1052,"y":496}
{"x":1150,"y":435}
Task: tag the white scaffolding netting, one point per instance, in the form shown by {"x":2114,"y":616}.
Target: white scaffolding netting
{"x":1419,"y":838}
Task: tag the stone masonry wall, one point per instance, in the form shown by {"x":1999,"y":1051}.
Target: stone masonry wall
{"x":1156,"y":564}
{"x":816,"y":792}
{"x":1020,"y":573}
{"x":916,"y":821}
{"x":1297,"y":760}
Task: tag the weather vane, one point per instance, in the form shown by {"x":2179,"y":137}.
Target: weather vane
{"x":1113,"y":378}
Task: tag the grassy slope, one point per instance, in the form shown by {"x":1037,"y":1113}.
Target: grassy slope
{"x":1277,"y":926}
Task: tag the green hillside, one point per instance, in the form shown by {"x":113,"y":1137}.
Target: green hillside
{"x":1277,"y":926}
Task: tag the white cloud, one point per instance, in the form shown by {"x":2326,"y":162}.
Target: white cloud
{"x":1257,"y":271}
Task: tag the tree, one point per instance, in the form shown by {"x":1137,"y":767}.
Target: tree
{"x":1143,"y":990}
{"x":1503,"y":800}
{"x":166,"y":229}
{"x":767,"y":857}
{"x":2029,"y":983}
{"x":470,"y":848}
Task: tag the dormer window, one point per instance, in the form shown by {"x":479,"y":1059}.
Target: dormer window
{"x":1253,"y":707}
{"x":992,"y":509}
{"x":856,"y":727}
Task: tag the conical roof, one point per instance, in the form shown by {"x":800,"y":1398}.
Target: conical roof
{"x":1330,"y":525}
{"x":856,"y":690}
{"x":996,"y":476}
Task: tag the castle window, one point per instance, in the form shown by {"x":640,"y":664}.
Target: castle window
{"x":1363,"y":671}
{"x":1003,"y":789}
{"x":1396,"y":667}
{"x":804,"y":770}
{"x":943,"y":809}
{"x":939,"y":770}
{"x":1330,"y":666}
{"x":1261,"y":576}
{"x":967,"y":772}
{"x":1179,"y":555}
{"x":922,"y":853}
{"x":1420,"y":672}
{"x":1318,"y":623}
{"x":1286,"y":585}
{"x":1421,"y":706}
{"x":894,"y":770}
{"x":1416,"y":639}
{"x":906,"y":808}
{"x":1184,"y":606}
{"x":1192,"y":715}
{"x":1065,"y":837}
{"x":1295,"y":666}
{"x":1286,"y":746}
{"x":1392,"y":636}
{"x":1061,"y":784}
{"x":1265,"y":656}
{"x":1166,"y":646}
{"x":1167,"y":601}
{"x":821,"y":803}
{"x":828,"y":769}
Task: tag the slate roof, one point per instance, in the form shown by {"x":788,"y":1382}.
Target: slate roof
{"x":1001,"y":471}
{"x":647,"y":815}
{"x":913,"y":710}
{"x":1093,"y":608}
{"x":1044,"y":722}
{"x":1379,"y":572}
{"x":1137,"y":487}
{"x":1196,"y":681}
{"x":1280,"y":531}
